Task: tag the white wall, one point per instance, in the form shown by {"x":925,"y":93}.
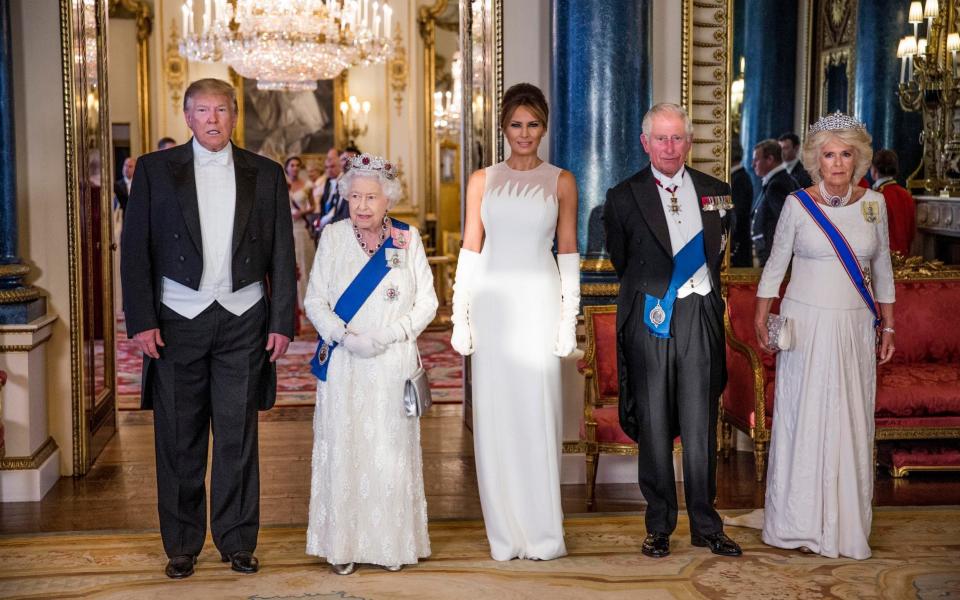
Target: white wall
{"x":526,"y":51}
{"x":41,"y":193}
{"x":122,"y":75}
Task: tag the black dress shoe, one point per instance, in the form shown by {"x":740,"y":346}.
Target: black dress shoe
{"x":718,"y":543}
{"x":242,"y":561}
{"x":656,"y":545}
{"x":180,"y":567}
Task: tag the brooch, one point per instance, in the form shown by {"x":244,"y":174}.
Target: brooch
{"x":714,"y":203}
{"x":323,"y":353}
{"x":392,"y":293}
{"x":869,"y":210}
{"x":395,"y":258}
{"x":399,"y":237}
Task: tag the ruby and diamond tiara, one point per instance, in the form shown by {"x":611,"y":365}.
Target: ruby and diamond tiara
{"x":369,"y":162}
{"x":835,"y":122}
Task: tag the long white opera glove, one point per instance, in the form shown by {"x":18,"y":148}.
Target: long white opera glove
{"x":462,"y":337}
{"x":569,"y":265}
{"x":362,"y":345}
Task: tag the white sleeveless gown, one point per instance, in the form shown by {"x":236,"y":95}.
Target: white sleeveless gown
{"x":517,"y":418}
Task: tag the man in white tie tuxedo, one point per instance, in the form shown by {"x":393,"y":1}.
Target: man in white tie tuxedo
{"x":209,"y":289}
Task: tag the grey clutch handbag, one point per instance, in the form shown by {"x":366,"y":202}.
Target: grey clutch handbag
{"x":416,"y":391}
{"x":780,"y":332}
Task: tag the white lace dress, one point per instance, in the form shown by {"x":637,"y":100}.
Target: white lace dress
{"x":517,"y":406}
{"x":367,"y":503}
{"x":820,"y":474}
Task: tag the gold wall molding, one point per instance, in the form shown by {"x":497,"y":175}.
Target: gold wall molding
{"x":705,"y":81}
{"x":599,"y":289}
{"x":836,"y":44}
{"x":175,"y":68}
{"x":34,"y":461}
{"x":18,"y":295}
{"x":398,"y":70}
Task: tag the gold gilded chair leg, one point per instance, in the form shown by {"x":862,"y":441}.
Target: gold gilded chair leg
{"x":760,"y":459}
{"x":592,"y":459}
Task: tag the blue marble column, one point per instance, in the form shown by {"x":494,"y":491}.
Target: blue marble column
{"x":18,"y":303}
{"x":600,"y":90}
{"x":770,"y":47}
{"x":8,"y":171}
{"x":880,"y":25}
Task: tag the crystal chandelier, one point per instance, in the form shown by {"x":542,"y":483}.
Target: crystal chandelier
{"x":287,"y":44}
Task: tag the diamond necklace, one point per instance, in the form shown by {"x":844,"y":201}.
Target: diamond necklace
{"x":383,"y":235}
{"x":832,"y":200}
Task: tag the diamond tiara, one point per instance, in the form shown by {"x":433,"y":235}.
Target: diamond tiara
{"x":368,"y":162}
{"x":835,"y":122}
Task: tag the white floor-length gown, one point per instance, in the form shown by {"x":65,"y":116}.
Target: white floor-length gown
{"x":820,"y":474}
{"x":367,"y":503}
{"x":515,"y":312}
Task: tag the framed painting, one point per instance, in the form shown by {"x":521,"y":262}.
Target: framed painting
{"x":279,"y":124}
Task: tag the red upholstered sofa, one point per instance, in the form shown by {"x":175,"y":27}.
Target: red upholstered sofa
{"x":918,"y":392}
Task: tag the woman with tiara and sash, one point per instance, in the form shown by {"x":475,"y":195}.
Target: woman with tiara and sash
{"x":370,"y":295}
{"x":839,"y":312}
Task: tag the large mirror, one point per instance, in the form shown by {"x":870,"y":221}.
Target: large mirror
{"x":89,"y":194}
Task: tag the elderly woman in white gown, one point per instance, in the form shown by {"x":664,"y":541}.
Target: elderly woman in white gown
{"x":820,"y":475}
{"x":367,"y":502}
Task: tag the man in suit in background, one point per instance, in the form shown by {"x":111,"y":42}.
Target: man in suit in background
{"x":209,"y":294}
{"x":166,"y":142}
{"x":665,"y":232}
{"x":741,"y":251}
{"x":789,"y":149}
{"x":121,"y":187}
{"x":776,"y":185}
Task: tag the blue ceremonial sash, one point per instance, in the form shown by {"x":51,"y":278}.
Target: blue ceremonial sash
{"x":657,"y":312}
{"x":353,"y":298}
{"x":844,"y":252}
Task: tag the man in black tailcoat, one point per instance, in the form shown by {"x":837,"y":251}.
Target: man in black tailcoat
{"x":666,"y":228}
{"x":209,"y":294}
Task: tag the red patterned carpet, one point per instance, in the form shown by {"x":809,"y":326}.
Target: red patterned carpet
{"x":297,"y":386}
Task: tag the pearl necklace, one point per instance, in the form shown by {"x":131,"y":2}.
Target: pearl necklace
{"x":383,"y":236}
{"x":832,"y":200}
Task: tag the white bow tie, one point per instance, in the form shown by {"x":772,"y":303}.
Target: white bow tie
{"x":213,"y":158}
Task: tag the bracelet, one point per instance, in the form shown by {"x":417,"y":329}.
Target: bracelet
{"x":887,"y":330}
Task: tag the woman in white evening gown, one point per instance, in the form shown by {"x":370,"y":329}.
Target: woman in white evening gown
{"x":515,"y":310}
{"x":367,"y":503}
{"x":301,"y":204}
{"x":820,"y":474}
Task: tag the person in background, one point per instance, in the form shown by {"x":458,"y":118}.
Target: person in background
{"x":901,"y":207}
{"x":741,"y":251}
{"x":789,"y":147}
{"x":776,"y":184}
{"x":121,"y":187}
{"x":166,"y":142}
{"x":301,"y":206}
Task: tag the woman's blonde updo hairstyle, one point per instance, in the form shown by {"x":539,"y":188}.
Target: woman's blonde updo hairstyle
{"x":857,"y":138}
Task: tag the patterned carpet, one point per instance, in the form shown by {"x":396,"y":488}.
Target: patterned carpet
{"x":916,"y":555}
{"x":296,"y":385}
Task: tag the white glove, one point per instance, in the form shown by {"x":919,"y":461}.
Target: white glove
{"x":388,"y":335}
{"x":462,"y":337}
{"x":362,"y":345}
{"x":569,"y":265}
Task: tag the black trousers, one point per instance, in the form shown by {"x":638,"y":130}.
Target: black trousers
{"x":676,"y":383}
{"x":209,"y":375}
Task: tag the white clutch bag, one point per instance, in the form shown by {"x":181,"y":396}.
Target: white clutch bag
{"x":780,"y":332}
